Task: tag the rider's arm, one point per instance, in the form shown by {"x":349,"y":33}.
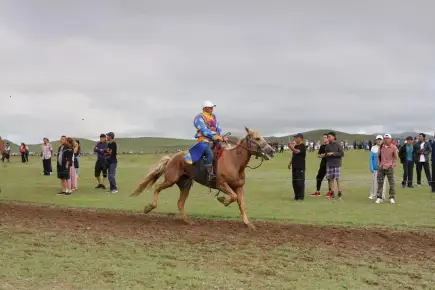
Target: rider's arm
{"x":202,"y":127}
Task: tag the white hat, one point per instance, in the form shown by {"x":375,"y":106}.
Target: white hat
{"x":208,"y":104}
{"x":379,"y":137}
{"x":387,"y":136}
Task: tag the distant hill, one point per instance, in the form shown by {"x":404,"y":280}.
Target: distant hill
{"x":143,"y":144}
{"x":317,"y":135}
{"x":154,"y":144}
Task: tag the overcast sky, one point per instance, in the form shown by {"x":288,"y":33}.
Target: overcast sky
{"x":143,"y":68}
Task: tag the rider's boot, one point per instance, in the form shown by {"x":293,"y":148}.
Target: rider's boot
{"x":209,"y":169}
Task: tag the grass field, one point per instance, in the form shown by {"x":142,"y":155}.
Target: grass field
{"x":50,"y":248}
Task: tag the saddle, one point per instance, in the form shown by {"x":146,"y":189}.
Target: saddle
{"x":201,"y":174}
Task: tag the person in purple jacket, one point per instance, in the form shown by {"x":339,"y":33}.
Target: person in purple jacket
{"x":101,"y":163}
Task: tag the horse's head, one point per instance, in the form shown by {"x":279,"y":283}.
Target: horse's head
{"x":258,"y":146}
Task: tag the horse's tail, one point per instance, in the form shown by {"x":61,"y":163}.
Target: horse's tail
{"x":153,"y":176}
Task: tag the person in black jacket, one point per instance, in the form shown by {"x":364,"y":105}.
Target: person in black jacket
{"x":422,"y":153}
{"x":297,"y":164}
{"x":322,"y":169}
{"x":64,"y":162}
{"x":407,"y":158}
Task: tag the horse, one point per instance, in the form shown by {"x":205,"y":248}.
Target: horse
{"x":230,"y":165}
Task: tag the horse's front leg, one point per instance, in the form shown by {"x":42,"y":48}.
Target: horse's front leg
{"x":231,"y":195}
{"x":240,"y":191}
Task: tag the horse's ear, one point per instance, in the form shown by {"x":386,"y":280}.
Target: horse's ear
{"x":247,"y":130}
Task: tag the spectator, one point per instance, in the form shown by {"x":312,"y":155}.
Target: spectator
{"x":407,"y":158}
{"x":433,"y":165}
{"x":47,"y":152}
{"x":23,"y":152}
{"x":322,"y":169}
{"x":64,"y":162}
{"x":387,"y":159}
{"x":6,"y":152}
{"x":112,"y":161}
{"x":77,"y":153}
{"x":297,"y":164}
{"x":374,"y":170}
{"x":101,"y":163}
{"x":334,"y":154}
{"x":422,"y":151}
{"x":72,"y":169}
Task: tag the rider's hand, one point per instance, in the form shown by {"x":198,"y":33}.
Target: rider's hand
{"x":225,"y":138}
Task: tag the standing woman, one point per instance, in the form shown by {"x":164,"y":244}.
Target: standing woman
{"x":77,"y":163}
{"x":374,"y":169}
{"x":72,"y":170}
{"x":23,"y":152}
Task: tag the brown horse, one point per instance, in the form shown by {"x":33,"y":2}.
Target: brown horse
{"x":230,"y":174}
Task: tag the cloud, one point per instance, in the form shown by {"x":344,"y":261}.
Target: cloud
{"x":144,"y":68}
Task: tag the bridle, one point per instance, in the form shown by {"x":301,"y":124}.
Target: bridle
{"x":257,"y":152}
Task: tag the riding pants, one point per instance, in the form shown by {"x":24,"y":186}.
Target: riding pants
{"x":209,"y":154}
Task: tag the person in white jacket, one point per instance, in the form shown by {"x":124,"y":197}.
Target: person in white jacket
{"x":374,"y":170}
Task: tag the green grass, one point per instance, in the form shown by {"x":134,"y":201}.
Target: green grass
{"x":268,"y":193}
{"x":34,"y":259}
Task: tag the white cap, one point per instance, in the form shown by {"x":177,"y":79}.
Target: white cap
{"x":387,"y":136}
{"x":208,"y":104}
{"x":379,"y":137}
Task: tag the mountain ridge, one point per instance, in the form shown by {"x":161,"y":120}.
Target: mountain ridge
{"x":160,"y":144}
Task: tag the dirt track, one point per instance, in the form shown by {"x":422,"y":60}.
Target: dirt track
{"x":406,"y":245}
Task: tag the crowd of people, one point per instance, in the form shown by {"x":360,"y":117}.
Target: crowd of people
{"x":384,"y":157}
{"x":68,"y":161}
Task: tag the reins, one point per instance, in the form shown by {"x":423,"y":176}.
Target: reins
{"x":256,"y":152}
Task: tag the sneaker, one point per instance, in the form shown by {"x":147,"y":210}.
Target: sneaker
{"x":392,"y":201}
{"x":340,"y":195}
{"x":99,"y":186}
{"x":328,"y":194}
{"x":316,"y":193}
{"x":114,"y":191}
{"x":331,"y":196}
{"x":410,"y":186}
{"x":418,"y":184}
{"x":68,"y":193}
{"x":61,"y":193}
{"x":378,"y":200}
{"x":403,"y":185}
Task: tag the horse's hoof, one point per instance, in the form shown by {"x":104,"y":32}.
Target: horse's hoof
{"x":251,"y":226}
{"x":221,"y":199}
{"x":148,"y":208}
{"x":188,"y":222}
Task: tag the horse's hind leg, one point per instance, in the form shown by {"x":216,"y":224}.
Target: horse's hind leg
{"x":168,"y":182}
{"x":185,"y":183}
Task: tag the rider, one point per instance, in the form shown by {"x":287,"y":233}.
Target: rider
{"x":208,"y":132}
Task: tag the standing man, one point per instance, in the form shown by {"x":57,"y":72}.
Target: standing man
{"x":433,"y":165}
{"x":47,"y":152}
{"x":322,"y":169}
{"x":374,"y":152}
{"x":101,"y":163}
{"x":407,"y":158}
{"x":112,"y":161}
{"x":387,"y":158}
{"x":334,"y":154}
{"x":422,"y":152}
{"x":297,"y":164}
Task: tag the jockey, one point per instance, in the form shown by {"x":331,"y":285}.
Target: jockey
{"x":208,"y":133}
